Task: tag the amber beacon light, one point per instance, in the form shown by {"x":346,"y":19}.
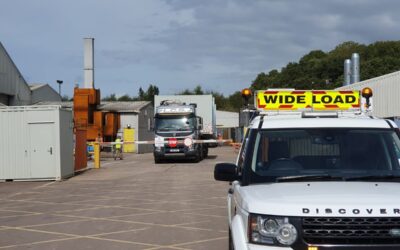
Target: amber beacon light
{"x":246,"y":94}
{"x":367,"y":94}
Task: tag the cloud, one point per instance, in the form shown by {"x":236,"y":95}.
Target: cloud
{"x":177,"y":44}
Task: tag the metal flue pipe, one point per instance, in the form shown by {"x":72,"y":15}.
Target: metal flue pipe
{"x":347,"y":72}
{"x":88,"y":63}
{"x":355,"y":68}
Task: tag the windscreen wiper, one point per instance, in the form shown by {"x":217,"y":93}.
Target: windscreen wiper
{"x":314,"y":177}
{"x":373,"y":178}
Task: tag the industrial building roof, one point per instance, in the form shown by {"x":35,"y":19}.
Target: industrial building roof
{"x":124,"y":106}
{"x":36,"y":86}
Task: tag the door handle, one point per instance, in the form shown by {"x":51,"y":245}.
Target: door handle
{"x":51,"y":150}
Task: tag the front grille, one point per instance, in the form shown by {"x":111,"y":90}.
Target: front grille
{"x":357,"y":231}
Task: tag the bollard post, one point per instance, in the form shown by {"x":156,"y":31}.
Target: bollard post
{"x":96,"y":155}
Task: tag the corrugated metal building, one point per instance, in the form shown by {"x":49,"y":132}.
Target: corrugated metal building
{"x":14,"y":90}
{"x":43,"y":92}
{"x":139,"y":116}
{"x":386,"y":90}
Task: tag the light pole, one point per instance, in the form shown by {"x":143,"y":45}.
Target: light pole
{"x":59,"y":87}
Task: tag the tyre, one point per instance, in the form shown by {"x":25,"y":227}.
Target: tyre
{"x":230,"y":241}
{"x":205,"y":152}
{"x":157,"y":160}
{"x":197,"y":158}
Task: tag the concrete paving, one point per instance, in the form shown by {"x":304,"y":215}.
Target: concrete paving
{"x":128,"y":204}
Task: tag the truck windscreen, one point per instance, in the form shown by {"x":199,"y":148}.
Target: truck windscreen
{"x":340,"y":153}
{"x":174,"y":123}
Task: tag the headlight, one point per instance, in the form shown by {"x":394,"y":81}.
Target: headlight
{"x":188,"y":142}
{"x":271,"y":230}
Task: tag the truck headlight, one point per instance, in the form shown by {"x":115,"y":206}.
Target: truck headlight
{"x":271,"y":230}
{"x":188,"y":142}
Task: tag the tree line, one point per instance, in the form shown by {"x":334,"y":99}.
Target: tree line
{"x":142,"y":95}
{"x":324,"y":70}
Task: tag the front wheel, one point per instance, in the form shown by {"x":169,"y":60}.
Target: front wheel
{"x":157,"y":160}
{"x":205,"y":152}
{"x":198,"y":156}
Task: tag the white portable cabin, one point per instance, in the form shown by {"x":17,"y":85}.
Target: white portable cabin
{"x":36,"y":143}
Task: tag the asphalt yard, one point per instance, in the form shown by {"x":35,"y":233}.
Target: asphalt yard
{"x":128,"y":204}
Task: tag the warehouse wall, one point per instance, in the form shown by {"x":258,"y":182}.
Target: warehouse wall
{"x":11,"y":81}
{"x":4,"y":99}
{"x":227,"y":119}
{"x":45,"y":94}
{"x":146,"y":121}
{"x":386,"y":90}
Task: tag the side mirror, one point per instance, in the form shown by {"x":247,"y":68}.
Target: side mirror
{"x":199,"y":123}
{"x":225,"y":172}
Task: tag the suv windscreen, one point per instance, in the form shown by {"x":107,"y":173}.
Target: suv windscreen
{"x":339,"y":153}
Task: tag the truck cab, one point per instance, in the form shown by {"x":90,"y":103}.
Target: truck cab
{"x":315,"y":176}
{"x":176,"y":128}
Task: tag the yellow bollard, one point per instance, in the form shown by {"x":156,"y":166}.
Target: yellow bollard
{"x":96,"y":155}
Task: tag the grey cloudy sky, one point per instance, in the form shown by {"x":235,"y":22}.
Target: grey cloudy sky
{"x":178,"y":44}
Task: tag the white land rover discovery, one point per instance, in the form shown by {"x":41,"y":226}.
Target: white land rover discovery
{"x":315,"y":181}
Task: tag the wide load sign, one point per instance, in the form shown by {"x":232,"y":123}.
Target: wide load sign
{"x":307,"y":99}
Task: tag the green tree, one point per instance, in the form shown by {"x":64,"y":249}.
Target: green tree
{"x":324,"y":70}
{"x":152,"y":90}
{"x":125,"y":98}
{"x":65,"y":98}
{"x":110,"y":98}
{"x":186,"y":92}
{"x":198,"y":90}
{"x":141,"y":94}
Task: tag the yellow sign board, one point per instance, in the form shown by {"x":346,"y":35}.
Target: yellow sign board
{"x":307,"y":99}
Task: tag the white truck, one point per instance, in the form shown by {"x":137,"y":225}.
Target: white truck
{"x":182,"y":123}
{"x":315,"y":172}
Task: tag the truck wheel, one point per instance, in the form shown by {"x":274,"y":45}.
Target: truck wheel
{"x":157,"y":160}
{"x":230,"y":241}
{"x":198,"y":157}
{"x":205,"y":152}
